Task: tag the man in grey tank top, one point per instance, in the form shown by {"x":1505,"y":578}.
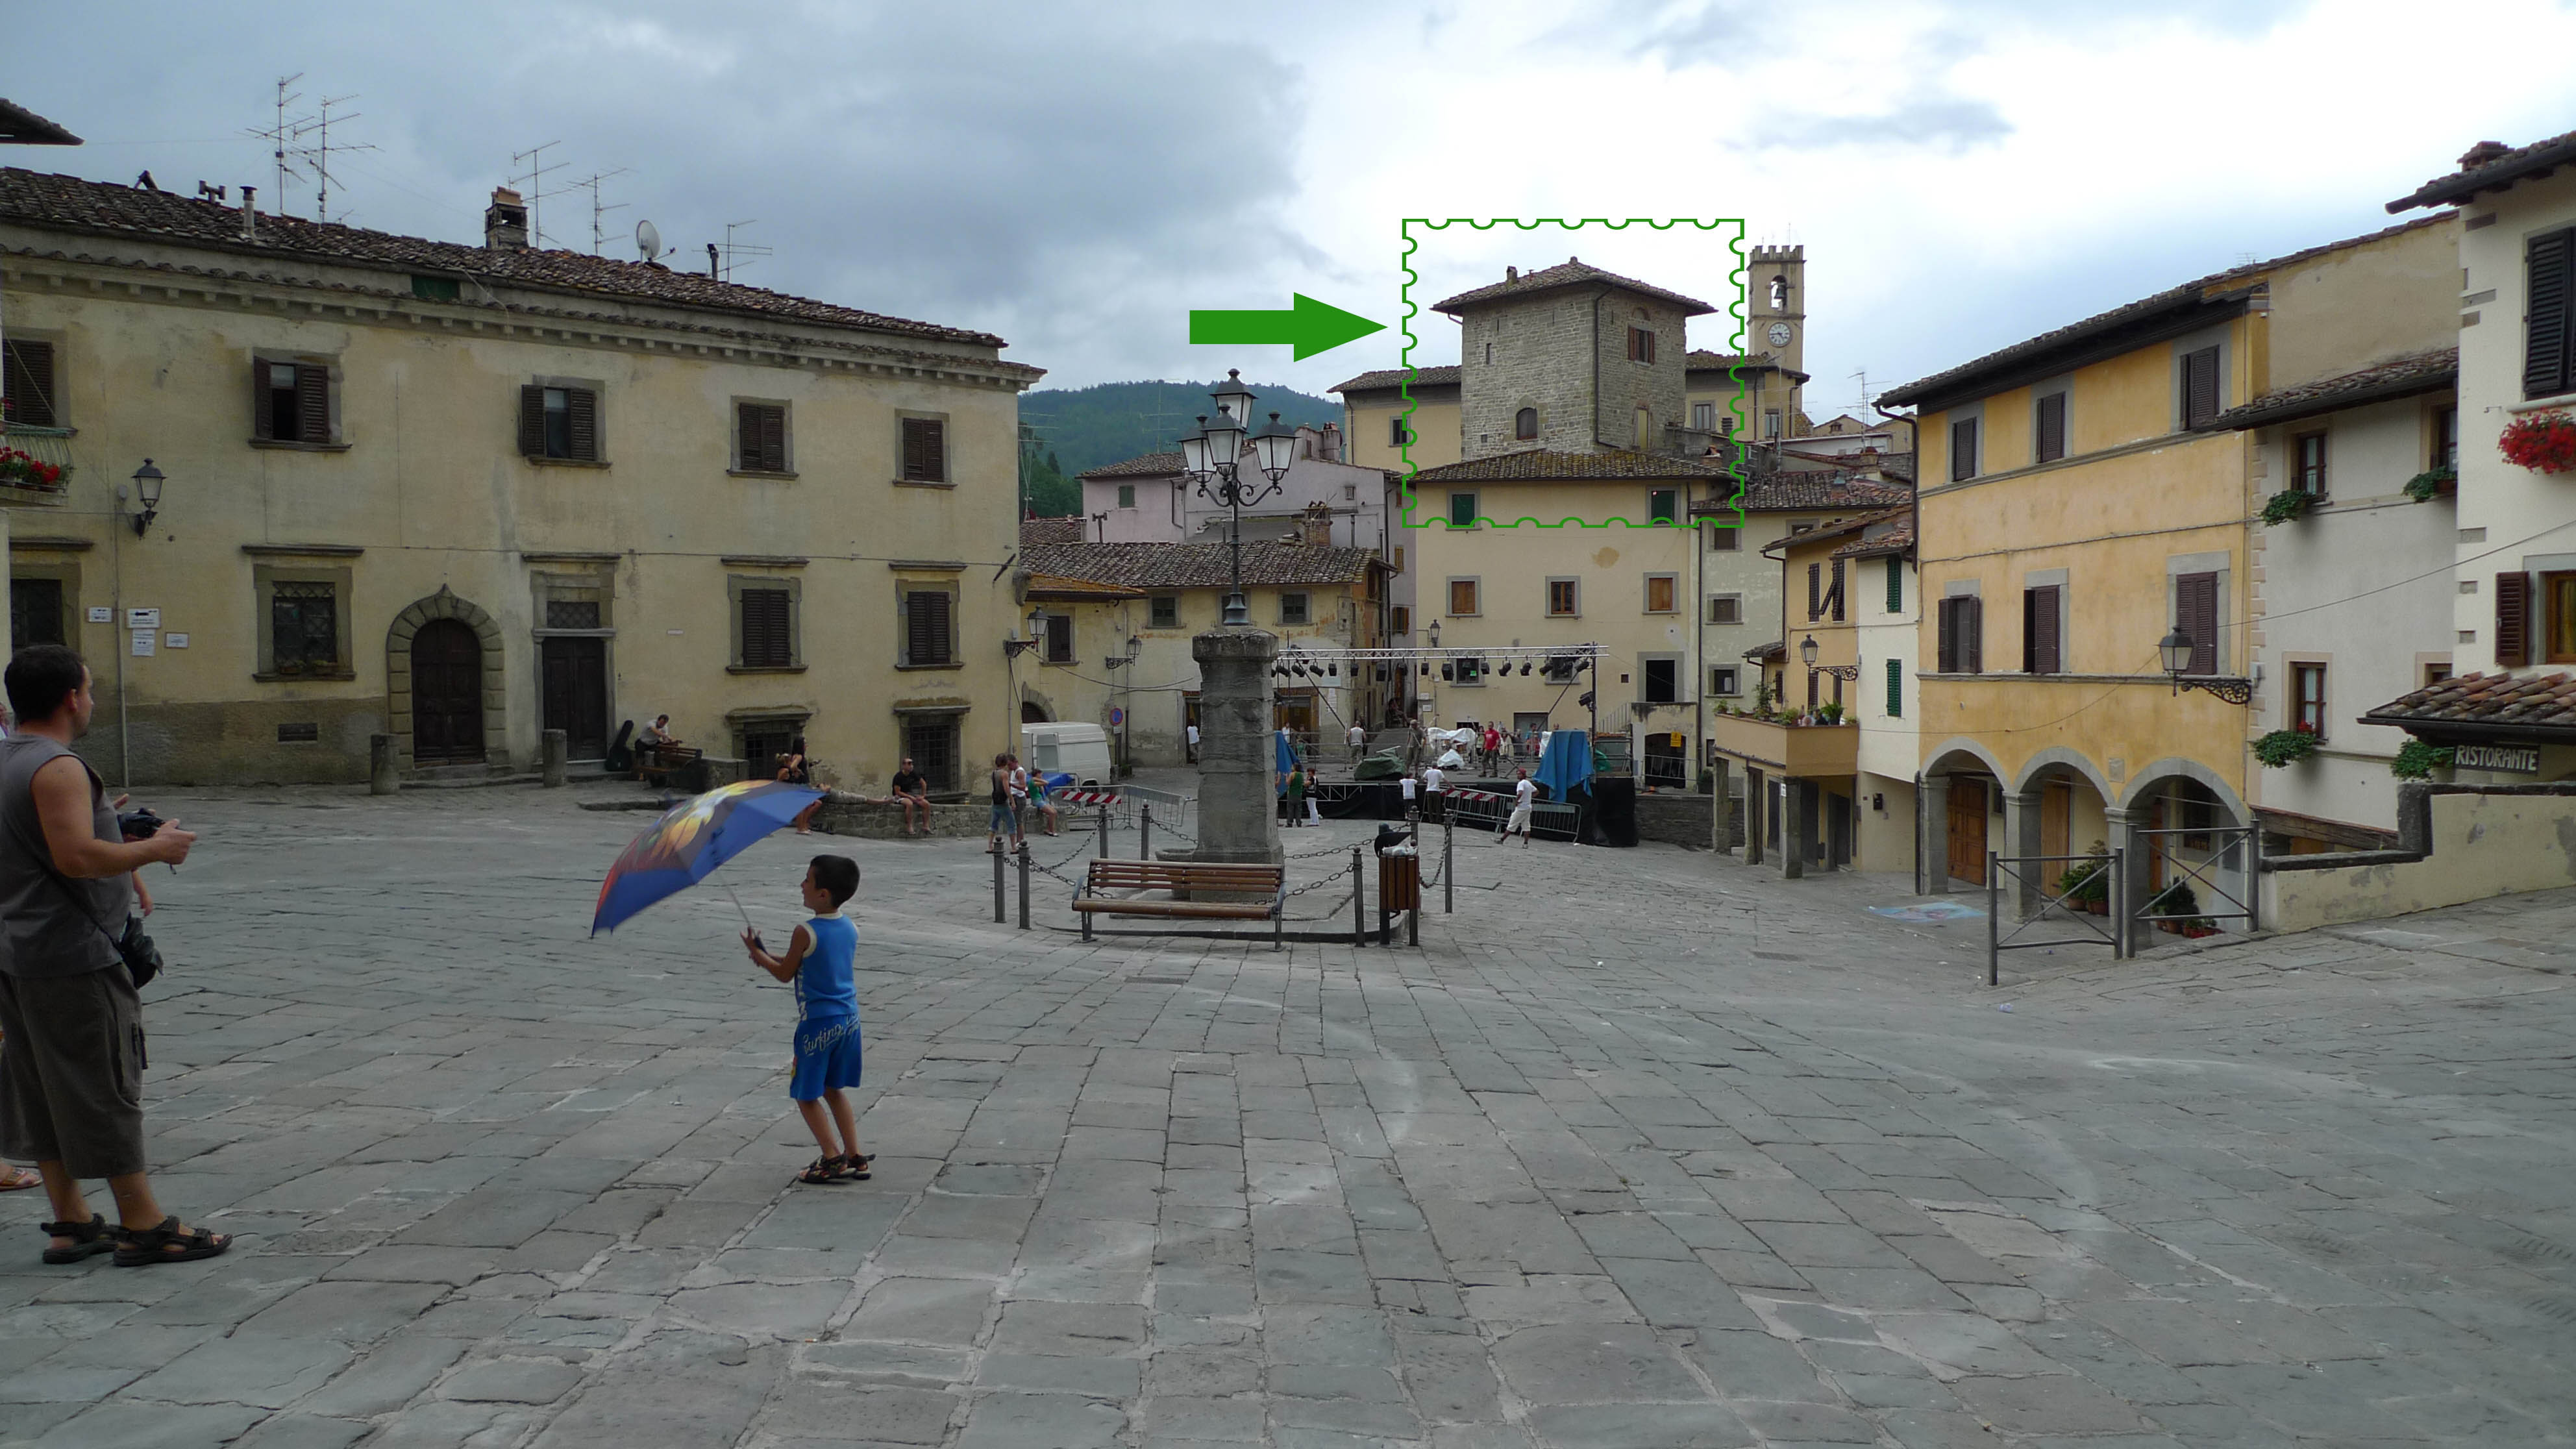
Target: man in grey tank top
{"x":71,"y":1025}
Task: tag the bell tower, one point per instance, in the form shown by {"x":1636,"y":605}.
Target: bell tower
{"x":1775,"y":322}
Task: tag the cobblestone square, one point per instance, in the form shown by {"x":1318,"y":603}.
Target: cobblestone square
{"x":1642,"y":1148}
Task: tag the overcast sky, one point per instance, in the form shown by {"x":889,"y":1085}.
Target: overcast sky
{"x":1077,"y":177}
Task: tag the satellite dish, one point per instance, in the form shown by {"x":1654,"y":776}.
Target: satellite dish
{"x":647,"y":240}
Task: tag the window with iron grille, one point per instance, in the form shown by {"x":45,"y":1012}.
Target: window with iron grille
{"x":928,"y":635}
{"x":760,"y":437}
{"x":767,"y":629}
{"x":931,"y":742}
{"x":1163,"y":611}
{"x":304,"y":628}
{"x":572,"y":613}
{"x":925,"y":450}
{"x":292,"y":402}
{"x":1059,"y":638}
{"x":35,"y":612}
{"x":559,"y":422}
{"x":29,"y":383}
{"x":762,"y":744}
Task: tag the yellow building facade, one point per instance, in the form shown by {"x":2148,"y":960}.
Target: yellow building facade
{"x":460,"y":495}
{"x":2071,"y":521}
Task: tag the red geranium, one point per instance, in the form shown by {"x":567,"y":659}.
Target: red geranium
{"x":2542,"y":442}
{"x":21,"y":470}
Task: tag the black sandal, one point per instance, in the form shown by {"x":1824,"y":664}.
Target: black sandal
{"x":824,"y":1171}
{"x":139,"y":1247}
{"x":89,"y":1239}
{"x":855,"y":1169}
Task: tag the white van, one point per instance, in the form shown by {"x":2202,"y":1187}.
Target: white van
{"x":1068,"y":748}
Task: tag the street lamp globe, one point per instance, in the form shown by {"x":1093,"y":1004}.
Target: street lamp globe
{"x":1275,"y":447}
{"x":2176,"y":649}
{"x":1135,"y":646}
{"x":1224,"y":444}
{"x":1431,"y":631}
{"x":1807,"y":651}
{"x":1235,"y":399}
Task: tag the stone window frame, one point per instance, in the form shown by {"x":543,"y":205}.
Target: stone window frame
{"x":59,"y":341}
{"x":906,"y":717}
{"x":1449,"y":595}
{"x":1725,"y":680}
{"x":919,"y":579}
{"x":1475,"y":508}
{"x":341,"y":574}
{"x":786,"y":429}
{"x":1549,"y":596}
{"x":1305,"y":608}
{"x":1715,"y":599}
{"x":735,"y":584}
{"x":1154,"y":609}
{"x":947,"y":448}
{"x":1680,"y":666}
{"x":2221,"y":563}
{"x":597,"y":387}
{"x":1646,"y":593}
{"x":2055,"y":579}
{"x":60,"y":563}
{"x":2219,"y":335}
{"x":1538,"y":420}
{"x":334,"y":383}
{"x":790,"y":719}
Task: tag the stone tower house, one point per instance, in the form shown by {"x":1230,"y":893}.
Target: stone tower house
{"x":1571,"y":359}
{"x":1775,"y":325}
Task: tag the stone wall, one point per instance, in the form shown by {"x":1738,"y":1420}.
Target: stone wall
{"x":868,"y":818}
{"x":1675,"y":819}
{"x":2459,"y":843}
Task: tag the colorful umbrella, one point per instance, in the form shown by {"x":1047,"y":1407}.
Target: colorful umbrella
{"x":690,"y":841}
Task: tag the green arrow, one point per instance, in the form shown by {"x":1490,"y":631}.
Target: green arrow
{"x":1309,"y":326}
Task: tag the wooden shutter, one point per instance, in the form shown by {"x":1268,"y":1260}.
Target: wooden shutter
{"x":2196,"y":614}
{"x":2039,"y":650}
{"x":1972,"y":630}
{"x":1895,"y":583}
{"x":1835,"y":598}
{"x":532,"y":421}
{"x":2513,"y":619}
{"x":312,"y":403}
{"x":765,"y":639}
{"x":584,"y":406}
{"x":763,"y":429}
{"x":926,"y":626}
{"x":1059,"y":629}
{"x":1945,"y":656}
{"x":2546,"y":323}
{"x":1815,"y":591}
{"x":925,"y":450}
{"x":1963,"y":449}
{"x":1895,"y":689}
{"x":30,"y":385}
{"x":2052,"y":427}
{"x":2199,"y":386}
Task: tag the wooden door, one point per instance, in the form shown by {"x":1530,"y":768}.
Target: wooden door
{"x":1968,"y":829}
{"x":2056,"y":823}
{"x":446,"y":694}
{"x":576,"y":694}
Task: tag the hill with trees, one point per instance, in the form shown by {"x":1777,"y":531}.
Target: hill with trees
{"x":1065,"y":432}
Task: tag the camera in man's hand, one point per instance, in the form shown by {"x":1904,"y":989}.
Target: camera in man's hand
{"x":139,"y":824}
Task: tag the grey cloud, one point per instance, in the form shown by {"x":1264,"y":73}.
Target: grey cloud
{"x":1950,"y":124}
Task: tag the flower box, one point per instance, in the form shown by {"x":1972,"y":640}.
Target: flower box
{"x":2543,"y":442}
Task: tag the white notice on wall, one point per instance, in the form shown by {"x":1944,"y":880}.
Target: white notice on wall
{"x":102,"y":613}
{"x":174,"y":641}
{"x":143,"y":618}
{"x":143,"y":643}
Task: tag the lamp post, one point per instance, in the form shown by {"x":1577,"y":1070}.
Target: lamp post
{"x":1431,"y":632}
{"x":2176,"y":649}
{"x":147,"y":491}
{"x":1127,"y":693}
{"x":1213,"y":457}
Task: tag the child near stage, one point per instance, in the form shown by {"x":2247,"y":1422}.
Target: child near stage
{"x":818,"y":960}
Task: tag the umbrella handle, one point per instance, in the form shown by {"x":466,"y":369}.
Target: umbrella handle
{"x":737,"y":905}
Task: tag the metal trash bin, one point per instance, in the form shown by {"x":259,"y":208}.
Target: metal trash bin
{"x":1399,"y":879}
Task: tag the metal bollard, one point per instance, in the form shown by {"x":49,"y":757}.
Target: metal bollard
{"x":1359,"y":901}
{"x":1448,"y":876}
{"x":1994,"y":904}
{"x":997,"y":883}
{"x":1144,"y":830}
{"x":1024,"y":885}
{"x":1104,"y":829}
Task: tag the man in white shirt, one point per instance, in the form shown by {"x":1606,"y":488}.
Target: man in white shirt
{"x":1524,"y":794}
{"x":1194,"y":744}
{"x":1359,"y":741}
{"x":1432,"y":784}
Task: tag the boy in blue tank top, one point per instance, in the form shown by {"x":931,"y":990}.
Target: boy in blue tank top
{"x":818,"y":961}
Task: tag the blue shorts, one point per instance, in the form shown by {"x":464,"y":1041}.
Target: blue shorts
{"x":827,"y":1057}
{"x":1005,"y":820}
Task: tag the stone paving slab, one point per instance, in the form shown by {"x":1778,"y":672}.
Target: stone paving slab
{"x":1643,"y":1148}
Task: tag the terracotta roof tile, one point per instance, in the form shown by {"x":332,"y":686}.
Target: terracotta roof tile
{"x":22,"y":127}
{"x":1146,"y":465}
{"x":1810,"y":492}
{"x":1034,"y":531}
{"x":1951,"y":380}
{"x":2490,"y":166}
{"x":1899,"y":539}
{"x":1543,"y":465}
{"x":1055,"y":586}
{"x":1392,"y":377}
{"x":1703,"y":360}
{"x":1196,"y":565}
{"x":2539,"y":700}
{"x":1572,"y":272}
{"x":100,"y":208}
{"x":2398,"y":377}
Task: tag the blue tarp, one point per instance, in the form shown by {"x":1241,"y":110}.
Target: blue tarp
{"x":1567,"y":763}
{"x":1284,"y":753}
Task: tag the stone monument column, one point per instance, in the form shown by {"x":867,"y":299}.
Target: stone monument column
{"x":1238,"y":799}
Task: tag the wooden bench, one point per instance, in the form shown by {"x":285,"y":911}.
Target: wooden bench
{"x":1185,"y":877}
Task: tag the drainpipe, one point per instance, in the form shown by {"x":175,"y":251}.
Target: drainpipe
{"x":1914,"y":518}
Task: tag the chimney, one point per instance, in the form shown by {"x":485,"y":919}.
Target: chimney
{"x":505,"y":222}
{"x":1511,"y":274}
{"x":2482,"y":153}
{"x":1315,"y":530}
{"x":1330,"y":449}
{"x":250,"y":216}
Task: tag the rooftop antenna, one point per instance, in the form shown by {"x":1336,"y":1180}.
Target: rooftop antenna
{"x":1863,"y":375}
{"x":535,"y":179}
{"x":320,"y":153}
{"x":734,"y":249}
{"x":282,"y":131}
{"x":598,"y":211}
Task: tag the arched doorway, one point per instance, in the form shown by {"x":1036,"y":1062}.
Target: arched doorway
{"x":446,"y":693}
{"x":1032,"y":712}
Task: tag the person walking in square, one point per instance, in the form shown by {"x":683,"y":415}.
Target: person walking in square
{"x":1524,"y":798}
{"x":1019,"y":790}
{"x":1358,"y":742}
{"x":1004,"y":820}
{"x":71,"y":1072}
{"x":819,"y":961}
{"x":1434,"y":783}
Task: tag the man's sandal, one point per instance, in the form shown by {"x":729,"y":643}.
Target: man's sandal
{"x":855,"y":1169}
{"x":14,"y":1178}
{"x":823,"y":1171}
{"x":88,"y":1240}
{"x":140,"y":1247}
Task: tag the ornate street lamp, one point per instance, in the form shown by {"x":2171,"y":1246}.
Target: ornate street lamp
{"x":147,"y":491}
{"x":1807,"y":656}
{"x":2176,"y":649}
{"x":1213,"y":458}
